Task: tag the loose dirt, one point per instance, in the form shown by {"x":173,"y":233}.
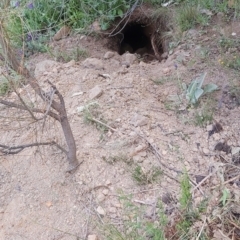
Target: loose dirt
{"x":39,"y":200}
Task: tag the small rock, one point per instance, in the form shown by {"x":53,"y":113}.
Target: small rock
{"x":143,"y":64}
{"x":43,"y":67}
{"x":93,"y":63}
{"x":114,"y":63}
{"x":166,"y":70}
{"x":108,"y":55}
{"x":101,"y":197}
{"x":95,"y":26}
{"x":126,"y":64}
{"x":167,"y":198}
{"x":199,"y":178}
{"x":108,"y":182}
{"x":121,"y":171}
{"x":129,"y":58}
{"x":209,"y":127}
{"x":105,"y":192}
{"x":139,"y":120}
{"x":164,"y":55}
{"x":62,"y":33}
{"x":70,"y":64}
{"x":92,"y":237}
{"x":205,"y":151}
{"x":164,"y":152}
{"x":95,"y":92}
{"x":100,"y":211}
{"x":137,"y":159}
{"x":112,"y":210}
{"x":216,"y":137}
{"x":143,"y":154}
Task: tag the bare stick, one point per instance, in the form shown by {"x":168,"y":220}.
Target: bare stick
{"x":16,"y":149}
{"x":199,"y":235}
{"x":104,"y":124}
{"x":228,"y":181}
{"x":200,"y":183}
{"x":15,"y":105}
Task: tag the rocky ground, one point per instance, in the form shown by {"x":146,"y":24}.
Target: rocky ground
{"x":142,"y":127}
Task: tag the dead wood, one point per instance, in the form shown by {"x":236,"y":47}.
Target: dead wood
{"x":16,"y":149}
{"x":57,"y":105}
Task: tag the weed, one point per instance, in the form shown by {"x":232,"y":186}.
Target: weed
{"x":134,"y":225}
{"x":145,"y":177}
{"x":117,"y":158}
{"x":66,"y":56}
{"x":4,"y":86}
{"x":164,"y":79}
{"x":186,"y":196}
{"x":228,"y":43}
{"x":204,"y":116}
{"x":92,"y":115}
{"x":188,"y":16}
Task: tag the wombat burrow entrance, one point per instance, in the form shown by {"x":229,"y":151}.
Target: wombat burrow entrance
{"x":142,"y":34}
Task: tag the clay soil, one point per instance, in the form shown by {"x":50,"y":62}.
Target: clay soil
{"x":39,"y":200}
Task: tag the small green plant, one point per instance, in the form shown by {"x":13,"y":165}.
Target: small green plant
{"x":188,"y":16}
{"x":225,"y":196}
{"x":145,"y":177}
{"x":92,"y":115}
{"x":204,"y":115}
{"x":68,"y":55}
{"x":227,"y":43}
{"x":4,"y":86}
{"x":134,"y":225}
{"x":32,"y":23}
{"x":164,"y":79}
{"x":235,"y":63}
{"x":186,"y":196}
{"x":117,"y":158}
{"x":194,"y":91}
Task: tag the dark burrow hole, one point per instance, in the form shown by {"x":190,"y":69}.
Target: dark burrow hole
{"x":138,"y":38}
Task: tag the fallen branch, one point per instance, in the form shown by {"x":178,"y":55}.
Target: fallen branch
{"x":158,"y":155}
{"x":16,"y":149}
{"x":56,"y":105}
{"x":104,"y":124}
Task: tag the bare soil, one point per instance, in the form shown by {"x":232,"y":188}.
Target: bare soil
{"x":39,"y":200}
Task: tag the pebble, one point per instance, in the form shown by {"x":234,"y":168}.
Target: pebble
{"x":93,"y":63}
{"x":70,"y":64}
{"x":108,"y":55}
{"x":129,"y":58}
{"x":121,"y":171}
{"x":92,"y":237}
{"x":206,"y":151}
{"x":101,"y":197}
{"x":166,"y":70}
{"x":95,"y":92}
{"x":100,"y":211}
{"x":105,"y":192}
{"x":112,"y":210}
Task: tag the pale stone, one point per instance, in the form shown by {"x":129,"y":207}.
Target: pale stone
{"x":105,"y":192}
{"x":166,"y":70}
{"x":92,"y":237}
{"x":205,"y":151}
{"x":63,"y":32}
{"x":101,"y":197}
{"x":129,"y":58}
{"x":70,"y":64}
{"x":95,"y":92}
{"x":108,"y":55}
{"x":112,"y":210}
{"x":93,"y":63}
{"x":43,"y":67}
{"x":100,"y":211}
